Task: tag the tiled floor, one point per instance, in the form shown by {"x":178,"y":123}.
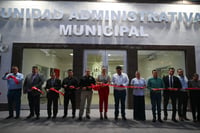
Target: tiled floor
{"x":94,"y":125}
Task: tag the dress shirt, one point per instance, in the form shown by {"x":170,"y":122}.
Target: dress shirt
{"x":11,"y":83}
{"x":184,"y":82}
{"x":120,"y":80}
{"x":138,"y":83}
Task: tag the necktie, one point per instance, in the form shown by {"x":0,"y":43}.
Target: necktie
{"x":32,"y":77}
{"x":171,"y":81}
{"x":52,"y":82}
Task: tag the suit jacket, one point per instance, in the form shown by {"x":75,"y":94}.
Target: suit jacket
{"x":56,"y":85}
{"x":176,"y":82}
{"x":37,"y":82}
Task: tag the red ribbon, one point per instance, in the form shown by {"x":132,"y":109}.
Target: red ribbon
{"x":134,"y":87}
{"x":97,"y":87}
{"x":52,"y":89}
{"x":34,"y":88}
{"x":174,"y":89}
{"x":14,"y":78}
{"x":171,"y":89}
{"x":192,"y":88}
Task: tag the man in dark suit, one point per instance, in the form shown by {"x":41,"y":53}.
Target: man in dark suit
{"x":70,"y":84}
{"x":52,"y":96}
{"x":172,"y":86}
{"x":33,"y":79}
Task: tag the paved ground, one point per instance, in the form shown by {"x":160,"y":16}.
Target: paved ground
{"x":94,"y":125}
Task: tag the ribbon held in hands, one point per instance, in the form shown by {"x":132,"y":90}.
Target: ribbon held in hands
{"x":134,"y":87}
{"x":14,"y":78}
{"x":97,"y":87}
{"x":34,"y":88}
{"x":52,"y":89}
{"x":159,"y":89}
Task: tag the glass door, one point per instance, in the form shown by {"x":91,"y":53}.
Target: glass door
{"x":95,"y":59}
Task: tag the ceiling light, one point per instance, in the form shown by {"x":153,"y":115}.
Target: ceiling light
{"x":71,"y":54}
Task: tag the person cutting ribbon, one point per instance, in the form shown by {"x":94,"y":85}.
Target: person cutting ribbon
{"x":183,"y":96}
{"x":14,"y":82}
{"x":34,"y":79}
{"x":155,"y":85}
{"x":138,"y":97}
{"x":52,"y":85}
{"x":70,"y":84}
{"x":171,"y":81}
{"x":86,"y":93}
{"x":195,"y":97}
{"x":103,"y":89}
{"x":120,"y":79}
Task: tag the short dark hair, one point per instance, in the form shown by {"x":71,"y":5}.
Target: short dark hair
{"x":34,"y":67}
{"x":70,"y":70}
{"x":119,"y":67}
{"x":171,"y":68}
{"x":52,"y":73}
{"x":179,"y":69}
{"x":15,"y":67}
{"x":154,"y":70}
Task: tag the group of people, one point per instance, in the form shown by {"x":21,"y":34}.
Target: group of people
{"x":178,"y":89}
{"x":174,"y":87}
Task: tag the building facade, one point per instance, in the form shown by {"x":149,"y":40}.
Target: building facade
{"x":57,"y":36}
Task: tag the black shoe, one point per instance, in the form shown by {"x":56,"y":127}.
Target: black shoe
{"x":28,"y":117}
{"x":64,"y":116}
{"x":160,"y":120}
{"x":195,"y":120}
{"x":181,"y":119}
{"x":87,"y":116}
{"x":154,"y":120}
{"x":80,"y":119}
{"x":73,"y":116}
{"x":48,"y":117}
{"x":9,"y":117}
{"x":54,"y":117}
{"x":174,"y":120}
{"x":101,"y":117}
{"x":165,"y":118}
{"x":17,"y":117}
{"x":105,"y":117}
{"x":124,"y":118}
{"x":116,"y":118}
{"x":37,"y":118}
